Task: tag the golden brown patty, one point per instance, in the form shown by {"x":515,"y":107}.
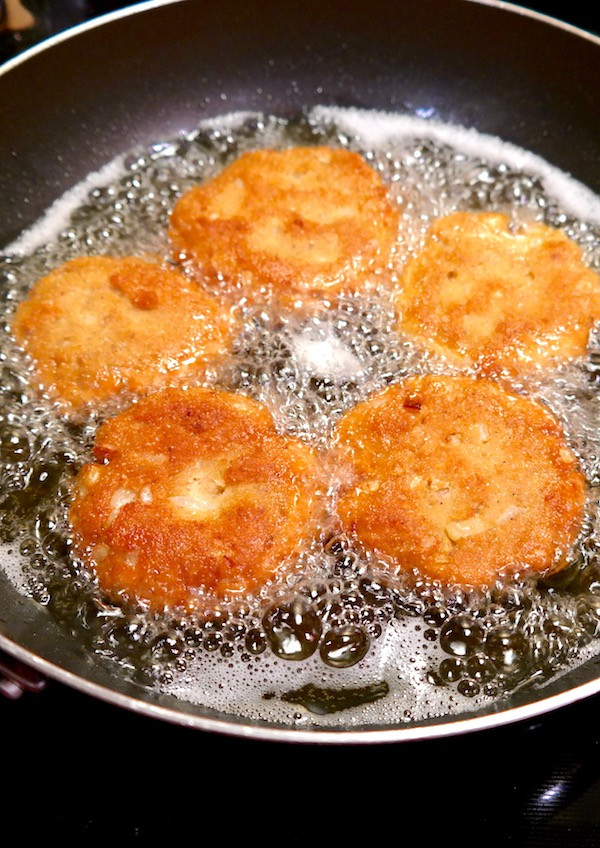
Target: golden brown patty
{"x":300,"y":221}
{"x":498,"y":300}
{"x":460,"y":479}
{"x":98,"y":326}
{"x":192,"y":490}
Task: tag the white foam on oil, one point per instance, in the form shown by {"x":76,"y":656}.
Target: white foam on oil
{"x":324,"y":355}
{"x":398,"y":658}
{"x":379,"y":129}
{"x":13,"y":567}
{"x":57,"y":215}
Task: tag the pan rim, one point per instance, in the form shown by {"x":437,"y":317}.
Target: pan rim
{"x":315,"y":735}
{"x":455,"y":727}
{"x":147,"y":5}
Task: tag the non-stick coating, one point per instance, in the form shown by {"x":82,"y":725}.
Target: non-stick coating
{"x":150,"y":74}
{"x":70,"y":108}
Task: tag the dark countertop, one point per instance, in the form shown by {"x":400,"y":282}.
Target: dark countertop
{"x":82,"y":771}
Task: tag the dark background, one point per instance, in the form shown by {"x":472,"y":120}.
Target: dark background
{"x":80,"y":772}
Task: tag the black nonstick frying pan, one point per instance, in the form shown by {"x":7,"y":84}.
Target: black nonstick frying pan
{"x":154,"y":71}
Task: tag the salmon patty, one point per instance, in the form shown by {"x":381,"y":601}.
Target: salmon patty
{"x":192,"y":492}
{"x":99,"y":326}
{"x":295,"y":223}
{"x":499,"y":299}
{"x":461,"y":480}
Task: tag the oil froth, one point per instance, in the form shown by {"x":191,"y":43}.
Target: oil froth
{"x":339,"y":620}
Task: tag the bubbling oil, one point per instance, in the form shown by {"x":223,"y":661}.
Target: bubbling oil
{"x":339,"y":631}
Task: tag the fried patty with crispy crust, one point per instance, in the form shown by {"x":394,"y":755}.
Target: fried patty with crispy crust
{"x":192,"y":490}
{"x":460,"y":479}
{"x":304,"y":221}
{"x":499,"y":299}
{"x":98,"y":326}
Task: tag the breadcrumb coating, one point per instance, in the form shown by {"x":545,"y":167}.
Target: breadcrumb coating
{"x":499,"y":299}
{"x":193,"y":491}
{"x":99,"y":326}
{"x":309,"y":221}
{"x":460,"y":479}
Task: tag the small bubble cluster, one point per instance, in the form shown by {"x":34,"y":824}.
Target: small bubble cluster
{"x":340,"y":609}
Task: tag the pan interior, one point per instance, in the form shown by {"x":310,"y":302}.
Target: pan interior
{"x":309,"y":371}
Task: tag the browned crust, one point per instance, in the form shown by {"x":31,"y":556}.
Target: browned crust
{"x":98,"y":326}
{"x":300,"y":222}
{"x":461,"y":480}
{"x":192,"y":490}
{"x":501,"y":301}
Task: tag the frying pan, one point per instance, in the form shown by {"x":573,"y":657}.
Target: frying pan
{"x":154,"y":71}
